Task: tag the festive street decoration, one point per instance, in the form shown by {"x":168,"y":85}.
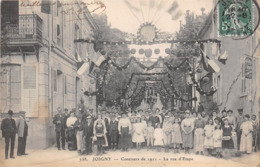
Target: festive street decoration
{"x":198,"y":88}
{"x":147,"y":32}
{"x":133,"y":51}
{"x":153,"y":74}
{"x":157,"y":51}
{"x":148,"y":52}
{"x":144,"y":67}
{"x":141,"y":51}
{"x":137,"y":42}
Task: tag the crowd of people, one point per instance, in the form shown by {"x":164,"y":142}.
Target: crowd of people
{"x":207,"y":133}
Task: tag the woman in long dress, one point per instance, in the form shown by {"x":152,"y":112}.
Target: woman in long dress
{"x":138,"y":133}
{"x":99,"y":133}
{"x":158,"y":137}
{"x":199,"y":135}
{"x":208,"y":140}
{"x":217,"y":139}
{"x":176,"y":135}
{"x":71,"y":136}
{"x":167,"y":129}
{"x":227,"y":142}
{"x":187,"y":127}
{"x":255,"y":123}
{"x":246,"y":137}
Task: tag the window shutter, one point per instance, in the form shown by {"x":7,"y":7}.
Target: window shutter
{"x":29,"y":77}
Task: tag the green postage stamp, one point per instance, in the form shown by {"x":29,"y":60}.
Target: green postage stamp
{"x":235,"y":17}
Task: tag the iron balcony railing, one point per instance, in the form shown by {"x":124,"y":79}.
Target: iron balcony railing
{"x":28,"y":30}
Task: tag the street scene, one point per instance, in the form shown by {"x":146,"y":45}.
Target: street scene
{"x":120,"y":82}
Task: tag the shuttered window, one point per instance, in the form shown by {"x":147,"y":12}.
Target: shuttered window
{"x":29,"y":77}
{"x":54,"y":72}
{"x":10,"y":84}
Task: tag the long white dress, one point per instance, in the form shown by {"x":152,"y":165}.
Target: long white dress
{"x":138,"y":133}
{"x":217,"y":138}
{"x":208,"y":140}
{"x":158,"y":136}
{"x":246,"y":137}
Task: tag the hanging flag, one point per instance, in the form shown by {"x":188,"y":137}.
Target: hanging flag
{"x":204,"y":60}
{"x":95,"y":57}
{"x":99,"y":58}
{"x":173,"y":11}
{"x":214,"y":49}
{"x":213,"y":65}
{"x":223,"y":58}
{"x":82,"y":67}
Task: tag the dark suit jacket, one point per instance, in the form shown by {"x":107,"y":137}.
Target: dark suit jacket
{"x":154,"y":120}
{"x":113,"y":127}
{"x":88,"y":129}
{"x":62,"y":125}
{"x":8,"y":127}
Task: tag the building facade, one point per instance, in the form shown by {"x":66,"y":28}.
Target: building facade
{"x":39,"y":62}
{"x":237,"y":81}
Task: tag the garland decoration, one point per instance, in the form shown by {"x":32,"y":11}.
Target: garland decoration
{"x":144,"y":67}
{"x":138,"y":42}
{"x":198,"y":88}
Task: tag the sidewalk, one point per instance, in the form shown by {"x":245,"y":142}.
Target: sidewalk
{"x":53,"y":157}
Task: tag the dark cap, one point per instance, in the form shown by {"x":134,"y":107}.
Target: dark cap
{"x":10,"y":112}
{"x":247,"y":116}
{"x":240,"y":110}
{"x":229,"y":111}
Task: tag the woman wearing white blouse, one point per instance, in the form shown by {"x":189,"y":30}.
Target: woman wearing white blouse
{"x":124,"y":128}
{"x":71,"y":136}
{"x":187,"y":127}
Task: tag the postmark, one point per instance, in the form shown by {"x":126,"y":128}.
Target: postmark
{"x":235,"y":17}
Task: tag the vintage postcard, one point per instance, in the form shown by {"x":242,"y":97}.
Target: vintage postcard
{"x":130,"y":83}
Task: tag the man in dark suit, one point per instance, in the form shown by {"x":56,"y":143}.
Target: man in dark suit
{"x":200,"y":107}
{"x":154,"y":119}
{"x":22,"y":131}
{"x":113,"y":132}
{"x":88,"y":134}
{"x":60,"y":126}
{"x":8,"y":128}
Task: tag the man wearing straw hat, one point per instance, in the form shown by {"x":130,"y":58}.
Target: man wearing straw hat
{"x":22,"y":131}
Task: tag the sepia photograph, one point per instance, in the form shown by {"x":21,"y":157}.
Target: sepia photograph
{"x":130,"y":83}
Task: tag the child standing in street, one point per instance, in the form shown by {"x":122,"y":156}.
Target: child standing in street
{"x":217,"y":140}
{"x":208,"y":141}
{"x":150,"y":135}
{"x":158,"y":137}
{"x":138,"y":133}
{"x":176,"y":135}
{"x":99,"y":134}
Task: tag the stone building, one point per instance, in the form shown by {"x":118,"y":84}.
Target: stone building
{"x":237,"y":81}
{"x":39,"y":62}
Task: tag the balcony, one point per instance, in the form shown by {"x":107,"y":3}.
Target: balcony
{"x":27,"y":33}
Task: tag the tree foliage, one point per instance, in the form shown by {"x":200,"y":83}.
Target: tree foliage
{"x":114,"y":83}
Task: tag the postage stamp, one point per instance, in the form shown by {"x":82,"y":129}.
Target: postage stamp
{"x":235,"y":17}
